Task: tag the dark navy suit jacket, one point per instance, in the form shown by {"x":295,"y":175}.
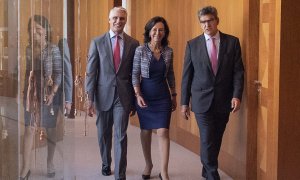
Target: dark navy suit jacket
{"x":199,"y":82}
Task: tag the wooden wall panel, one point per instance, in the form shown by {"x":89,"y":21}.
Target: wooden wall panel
{"x":251,"y":35}
{"x":3,"y":13}
{"x":53,"y":11}
{"x":91,"y":20}
{"x":287,"y":33}
{"x":3,"y":48}
{"x":184,"y":25}
{"x":268,"y":75}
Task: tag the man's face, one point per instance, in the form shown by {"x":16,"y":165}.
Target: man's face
{"x":209,"y":24}
{"x":117,"y":21}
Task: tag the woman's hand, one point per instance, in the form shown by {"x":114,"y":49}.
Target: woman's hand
{"x":141,"y":102}
{"x":49,"y":99}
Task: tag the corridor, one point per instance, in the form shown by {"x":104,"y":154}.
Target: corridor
{"x":82,"y":159}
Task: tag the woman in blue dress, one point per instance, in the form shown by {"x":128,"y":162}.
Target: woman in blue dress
{"x":154,"y":85}
{"x":41,"y":101}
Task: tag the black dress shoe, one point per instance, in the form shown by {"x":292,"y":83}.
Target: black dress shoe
{"x":145,"y":176}
{"x":106,"y":171}
{"x":160,"y":177}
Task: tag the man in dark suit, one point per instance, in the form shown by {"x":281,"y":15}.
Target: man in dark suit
{"x":213,"y":78}
{"x":108,"y":85}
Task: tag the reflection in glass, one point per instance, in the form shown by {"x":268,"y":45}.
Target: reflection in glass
{"x":8,"y":90}
{"x":41,"y":99}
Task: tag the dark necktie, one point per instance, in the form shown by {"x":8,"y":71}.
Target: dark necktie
{"x":117,"y":57}
{"x":213,"y":56}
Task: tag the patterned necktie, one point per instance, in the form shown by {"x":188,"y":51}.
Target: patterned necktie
{"x":213,"y":56}
{"x":117,"y":57}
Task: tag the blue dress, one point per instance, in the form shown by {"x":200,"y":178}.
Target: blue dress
{"x":47,"y":120}
{"x":156,"y":94}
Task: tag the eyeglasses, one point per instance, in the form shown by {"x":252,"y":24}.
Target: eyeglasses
{"x":209,"y":21}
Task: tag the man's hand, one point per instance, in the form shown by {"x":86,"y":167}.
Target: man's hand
{"x":89,"y":108}
{"x":235,"y":105}
{"x":185,"y":112}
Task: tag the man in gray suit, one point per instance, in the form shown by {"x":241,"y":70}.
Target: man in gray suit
{"x":108,"y":85}
{"x":213,"y":78}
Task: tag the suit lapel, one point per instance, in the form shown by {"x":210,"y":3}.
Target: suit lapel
{"x":125,"y":49}
{"x":204,"y":53}
{"x":107,"y":45}
{"x":221,"y":50}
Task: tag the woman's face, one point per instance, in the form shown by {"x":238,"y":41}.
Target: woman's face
{"x":157,"y":33}
{"x":38,"y":33}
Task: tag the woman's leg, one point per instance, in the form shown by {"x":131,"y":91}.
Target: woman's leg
{"x":164,"y":148}
{"x":146,"y":136}
{"x":51,"y":143}
{"x":27,"y":150}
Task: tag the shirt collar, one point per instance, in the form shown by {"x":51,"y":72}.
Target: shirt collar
{"x":112,"y":34}
{"x":217,"y":36}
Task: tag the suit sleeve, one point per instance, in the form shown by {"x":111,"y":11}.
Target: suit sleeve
{"x":136,"y":68}
{"x":238,"y":74}
{"x":92,"y":71}
{"x":187,"y":77}
{"x":68,"y":78}
{"x":57,"y":65}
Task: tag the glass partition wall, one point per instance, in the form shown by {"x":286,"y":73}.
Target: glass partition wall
{"x":8,"y":94}
{"x":36,"y":140}
{"x":31,"y":89}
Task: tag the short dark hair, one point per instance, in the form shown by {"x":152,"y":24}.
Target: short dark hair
{"x":149,"y":25}
{"x":208,"y":10}
{"x":43,"y":21}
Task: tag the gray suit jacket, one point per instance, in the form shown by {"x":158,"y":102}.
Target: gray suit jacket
{"x":67,"y":69}
{"x":101,"y":79}
{"x":199,"y":82}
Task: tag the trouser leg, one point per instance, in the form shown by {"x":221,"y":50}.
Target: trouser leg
{"x":211,"y":126}
{"x":104,"y":125}
{"x":121,"y":118}
{"x":51,"y":144}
